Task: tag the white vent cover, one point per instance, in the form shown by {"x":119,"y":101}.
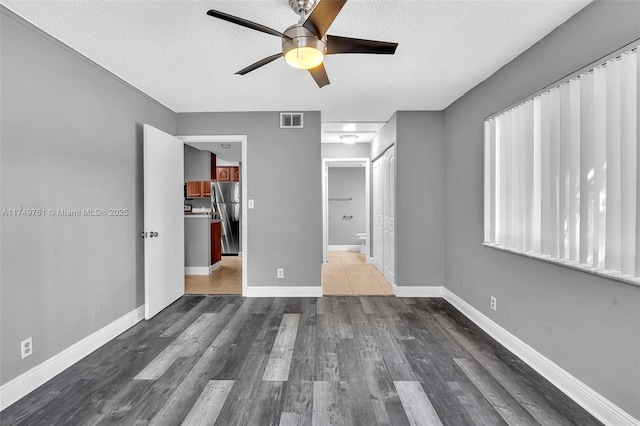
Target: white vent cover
{"x":291,"y":120}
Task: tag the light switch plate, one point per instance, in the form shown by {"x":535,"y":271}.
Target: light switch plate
{"x":250,"y":204}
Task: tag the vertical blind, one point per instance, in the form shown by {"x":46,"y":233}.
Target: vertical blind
{"x":562,"y":171}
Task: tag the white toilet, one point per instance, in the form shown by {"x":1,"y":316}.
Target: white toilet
{"x":363,"y":241}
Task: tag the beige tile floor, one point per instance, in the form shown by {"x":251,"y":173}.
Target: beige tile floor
{"x":347,"y":273}
{"x":227,"y":279}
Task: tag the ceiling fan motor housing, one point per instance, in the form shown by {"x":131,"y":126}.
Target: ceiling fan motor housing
{"x":298,"y":36}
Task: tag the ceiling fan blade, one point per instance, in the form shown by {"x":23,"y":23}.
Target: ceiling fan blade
{"x":244,"y":23}
{"x":323,"y":15}
{"x":258,"y":64}
{"x":336,"y":44}
{"x":319,"y":74}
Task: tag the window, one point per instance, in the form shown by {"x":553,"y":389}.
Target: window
{"x":562,"y":176}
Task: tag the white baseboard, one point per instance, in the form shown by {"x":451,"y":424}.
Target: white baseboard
{"x":215,"y":266}
{"x":417,"y":291}
{"x":283,"y":291}
{"x":196,"y":270}
{"x":27,"y":382}
{"x":355,"y":247}
{"x":596,"y":404}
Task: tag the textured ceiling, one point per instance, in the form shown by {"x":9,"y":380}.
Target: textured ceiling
{"x":186,"y":60}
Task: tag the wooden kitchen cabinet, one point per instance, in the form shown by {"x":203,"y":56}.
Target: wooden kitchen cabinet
{"x":216,"y":242}
{"x":206,"y":188}
{"x":213,"y":167}
{"x":194,"y":189}
{"x":223,"y":174}
{"x":235,"y":174}
{"x":199,"y":189}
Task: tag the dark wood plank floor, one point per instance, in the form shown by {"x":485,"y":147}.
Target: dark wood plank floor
{"x":227,"y":360}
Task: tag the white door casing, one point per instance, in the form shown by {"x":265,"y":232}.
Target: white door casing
{"x":384,"y":180}
{"x":163,"y":220}
{"x":325,"y":211}
{"x":378,"y":233}
{"x":389,"y":215}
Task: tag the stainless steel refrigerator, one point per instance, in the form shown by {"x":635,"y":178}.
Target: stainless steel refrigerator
{"x":225,"y":201}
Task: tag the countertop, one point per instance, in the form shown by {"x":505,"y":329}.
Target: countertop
{"x":197,"y":215}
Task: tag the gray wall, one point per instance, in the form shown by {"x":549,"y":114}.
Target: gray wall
{"x":588,"y":325}
{"x":384,"y":139}
{"x":197,"y":241}
{"x":285,"y":228}
{"x":340,"y":150}
{"x":419,"y":199}
{"x":419,"y":145}
{"x":346,"y":182}
{"x":197,"y":164}
{"x":71,"y":137}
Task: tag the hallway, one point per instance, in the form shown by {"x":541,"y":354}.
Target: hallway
{"x":347,"y":273}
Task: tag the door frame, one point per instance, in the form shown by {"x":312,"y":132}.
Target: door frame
{"x":195,"y":139}
{"x":325,"y":203}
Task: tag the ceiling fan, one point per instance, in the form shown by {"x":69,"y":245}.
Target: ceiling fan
{"x":305,"y":44}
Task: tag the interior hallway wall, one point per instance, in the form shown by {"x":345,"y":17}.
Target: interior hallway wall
{"x":284,"y":178}
{"x":71,"y":138}
{"x":419,"y":223}
{"x":588,"y":325}
{"x":345,"y":183}
{"x":420,"y":199}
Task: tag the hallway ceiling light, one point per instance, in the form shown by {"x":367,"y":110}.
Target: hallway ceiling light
{"x":349,"y":139}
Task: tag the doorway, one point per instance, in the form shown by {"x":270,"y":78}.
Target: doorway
{"x":228,"y":275}
{"x":346,"y":224}
{"x":341,"y":201}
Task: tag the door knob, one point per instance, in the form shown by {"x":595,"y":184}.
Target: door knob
{"x":143,"y":234}
{"x":153,"y":234}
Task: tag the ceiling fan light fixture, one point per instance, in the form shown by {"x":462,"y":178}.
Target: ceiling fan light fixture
{"x":304,"y":58}
{"x":349,"y":139}
{"x":302,"y":49}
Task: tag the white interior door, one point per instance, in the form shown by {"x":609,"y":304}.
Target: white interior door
{"x":388,"y":197}
{"x":378,"y":234}
{"x":163,"y":220}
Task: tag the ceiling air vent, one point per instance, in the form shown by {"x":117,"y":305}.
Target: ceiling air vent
{"x":291,"y":120}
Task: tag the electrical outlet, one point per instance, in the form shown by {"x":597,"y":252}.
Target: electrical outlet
{"x":97,"y":312}
{"x":493,"y":303}
{"x":26,"y":347}
{"x":280,"y":272}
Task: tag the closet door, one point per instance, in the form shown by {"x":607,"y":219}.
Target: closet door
{"x":378,"y":232}
{"x":389,"y":208}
